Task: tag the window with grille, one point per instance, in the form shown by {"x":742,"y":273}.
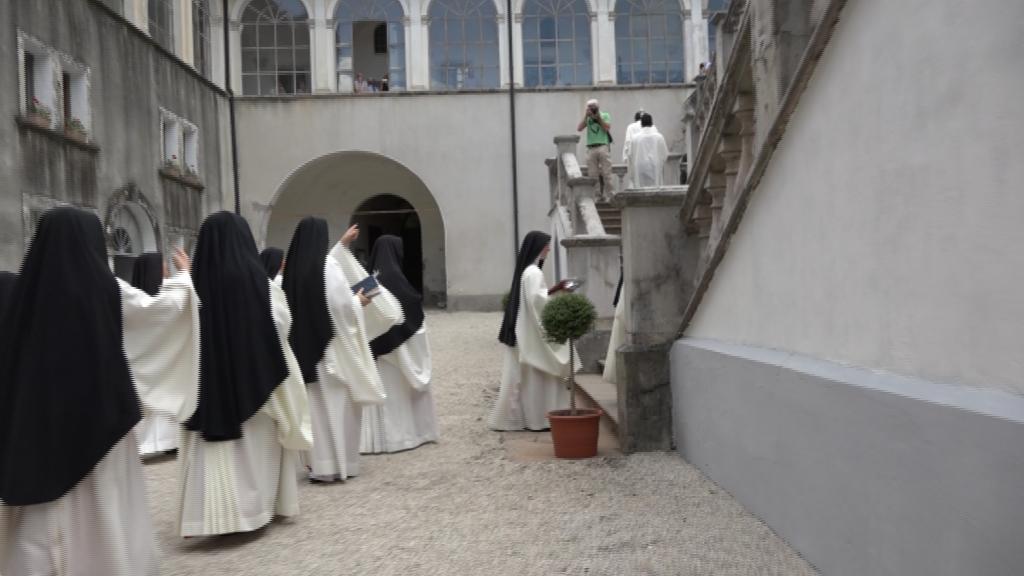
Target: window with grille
{"x":201,"y":36}
{"x":649,"y":42}
{"x":464,"y":44}
{"x":161,"y":22}
{"x":556,"y":43}
{"x":275,"y":48}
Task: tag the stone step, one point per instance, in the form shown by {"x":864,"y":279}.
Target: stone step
{"x":603,"y":394}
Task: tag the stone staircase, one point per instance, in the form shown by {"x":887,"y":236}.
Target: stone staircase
{"x":611,"y":217}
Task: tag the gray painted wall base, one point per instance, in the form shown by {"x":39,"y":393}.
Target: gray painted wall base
{"x":864,"y":473}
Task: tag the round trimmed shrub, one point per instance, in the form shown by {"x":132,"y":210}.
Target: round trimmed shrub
{"x":568,"y":317}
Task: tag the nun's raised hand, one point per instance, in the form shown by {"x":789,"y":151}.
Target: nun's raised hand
{"x":362,"y":298}
{"x":181,"y":261}
{"x":350,"y":236}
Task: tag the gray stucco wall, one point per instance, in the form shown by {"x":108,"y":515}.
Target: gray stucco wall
{"x":863,"y":472}
{"x":130,"y":79}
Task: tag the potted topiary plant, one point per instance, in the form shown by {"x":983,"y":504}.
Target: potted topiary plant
{"x":575,"y":431}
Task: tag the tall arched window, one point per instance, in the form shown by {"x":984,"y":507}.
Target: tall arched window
{"x":556,"y":43}
{"x":201,"y":36}
{"x":275,"y":48}
{"x":463,"y":44}
{"x":649,"y":41}
{"x":161,"y":22}
{"x":358,"y":38}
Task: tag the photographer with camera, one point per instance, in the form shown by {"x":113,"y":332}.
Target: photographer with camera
{"x":598,"y":125}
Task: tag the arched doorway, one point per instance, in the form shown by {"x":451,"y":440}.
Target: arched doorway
{"x":379,"y":194}
{"x":388,"y":214}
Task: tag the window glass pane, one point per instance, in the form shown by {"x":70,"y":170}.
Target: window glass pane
{"x":490,"y":56}
{"x":640,"y":50}
{"x":268,"y":60}
{"x":250,"y":85}
{"x":267,"y":35}
{"x":530,"y":30}
{"x":285,"y":60}
{"x":490,"y":79}
{"x":565,"y":52}
{"x":547,"y":52}
{"x":248,"y":36}
{"x":547,"y":28}
{"x":249,"y":60}
{"x":532,"y":76}
{"x":301,"y":32}
{"x":584,"y":76}
{"x":302,"y":60}
{"x":548,"y":75}
{"x":566,"y":75}
{"x":268,"y":84}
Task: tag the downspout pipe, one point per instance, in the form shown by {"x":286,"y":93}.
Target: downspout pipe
{"x":512,"y":131}
{"x":231,"y":105}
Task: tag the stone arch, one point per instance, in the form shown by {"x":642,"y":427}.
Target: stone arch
{"x":499,"y":5}
{"x":239,"y":7}
{"x":129,"y":201}
{"x":335,"y":185}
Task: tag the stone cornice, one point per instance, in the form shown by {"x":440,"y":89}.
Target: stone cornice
{"x":645,"y":197}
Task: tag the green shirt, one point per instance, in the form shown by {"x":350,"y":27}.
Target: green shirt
{"x":595,"y":133}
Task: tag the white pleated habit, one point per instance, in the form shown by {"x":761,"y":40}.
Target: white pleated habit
{"x":408,"y":417}
{"x":240,"y":485}
{"x":611,"y":359}
{"x":533,"y":372}
{"x":347,"y":377}
{"x":102,"y":526}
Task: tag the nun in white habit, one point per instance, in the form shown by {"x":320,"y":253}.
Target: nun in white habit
{"x":407,"y":418}
{"x":78,"y":355}
{"x":156,"y":433}
{"x":331,"y":338}
{"x":531,"y":379}
{"x":618,"y":336}
{"x":241,"y":447}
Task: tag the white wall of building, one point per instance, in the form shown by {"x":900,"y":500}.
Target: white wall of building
{"x":458,"y":145}
{"x":887,"y":231}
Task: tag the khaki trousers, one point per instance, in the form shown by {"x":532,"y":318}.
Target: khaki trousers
{"x":599,"y":165}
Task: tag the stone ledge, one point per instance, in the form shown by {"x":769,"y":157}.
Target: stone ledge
{"x":588,"y":241}
{"x":665,"y":196}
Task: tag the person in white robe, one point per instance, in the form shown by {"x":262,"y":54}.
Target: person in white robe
{"x":240,"y":450}
{"x":627,"y":144}
{"x":157,"y":433}
{"x":647,"y":155}
{"x":407,"y":418}
{"x":331,"y":337}
{"x":534,"y":369}
{"x":73,"y":497}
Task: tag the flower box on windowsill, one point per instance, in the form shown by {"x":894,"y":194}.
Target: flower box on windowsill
{"x":173,"y":172}
{"x":38,"y":120}
{"x":77,"y":135}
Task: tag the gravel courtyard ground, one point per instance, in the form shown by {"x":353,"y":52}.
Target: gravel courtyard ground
{"x":470,"y":506}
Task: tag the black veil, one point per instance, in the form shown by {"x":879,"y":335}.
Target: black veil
{"x":66,"y":393}
{"x":531,"y":249}
{"x":386,"y":262}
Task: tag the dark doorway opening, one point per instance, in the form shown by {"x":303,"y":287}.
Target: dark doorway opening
{"x":389,"y":214}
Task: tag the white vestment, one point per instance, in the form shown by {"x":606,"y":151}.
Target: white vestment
{"x":347,"y":377}
{"x":408,"y":416}
{"x":532,"y":379}
{"x":627,"y":144}
{"x":102,"y":526}
{"x":240,"y":485}
{"x":647,"y":155}
{"x":617,"y":340}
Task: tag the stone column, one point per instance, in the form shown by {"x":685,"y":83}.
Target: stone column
{"x":659,"y":267}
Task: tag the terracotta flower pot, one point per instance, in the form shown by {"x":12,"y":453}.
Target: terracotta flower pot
{"x":575,"y":436}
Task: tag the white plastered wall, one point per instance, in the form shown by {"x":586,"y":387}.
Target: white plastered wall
{"x":887,"y":231}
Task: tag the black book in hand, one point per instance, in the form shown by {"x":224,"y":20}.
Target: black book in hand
{"x":368,"y":285}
